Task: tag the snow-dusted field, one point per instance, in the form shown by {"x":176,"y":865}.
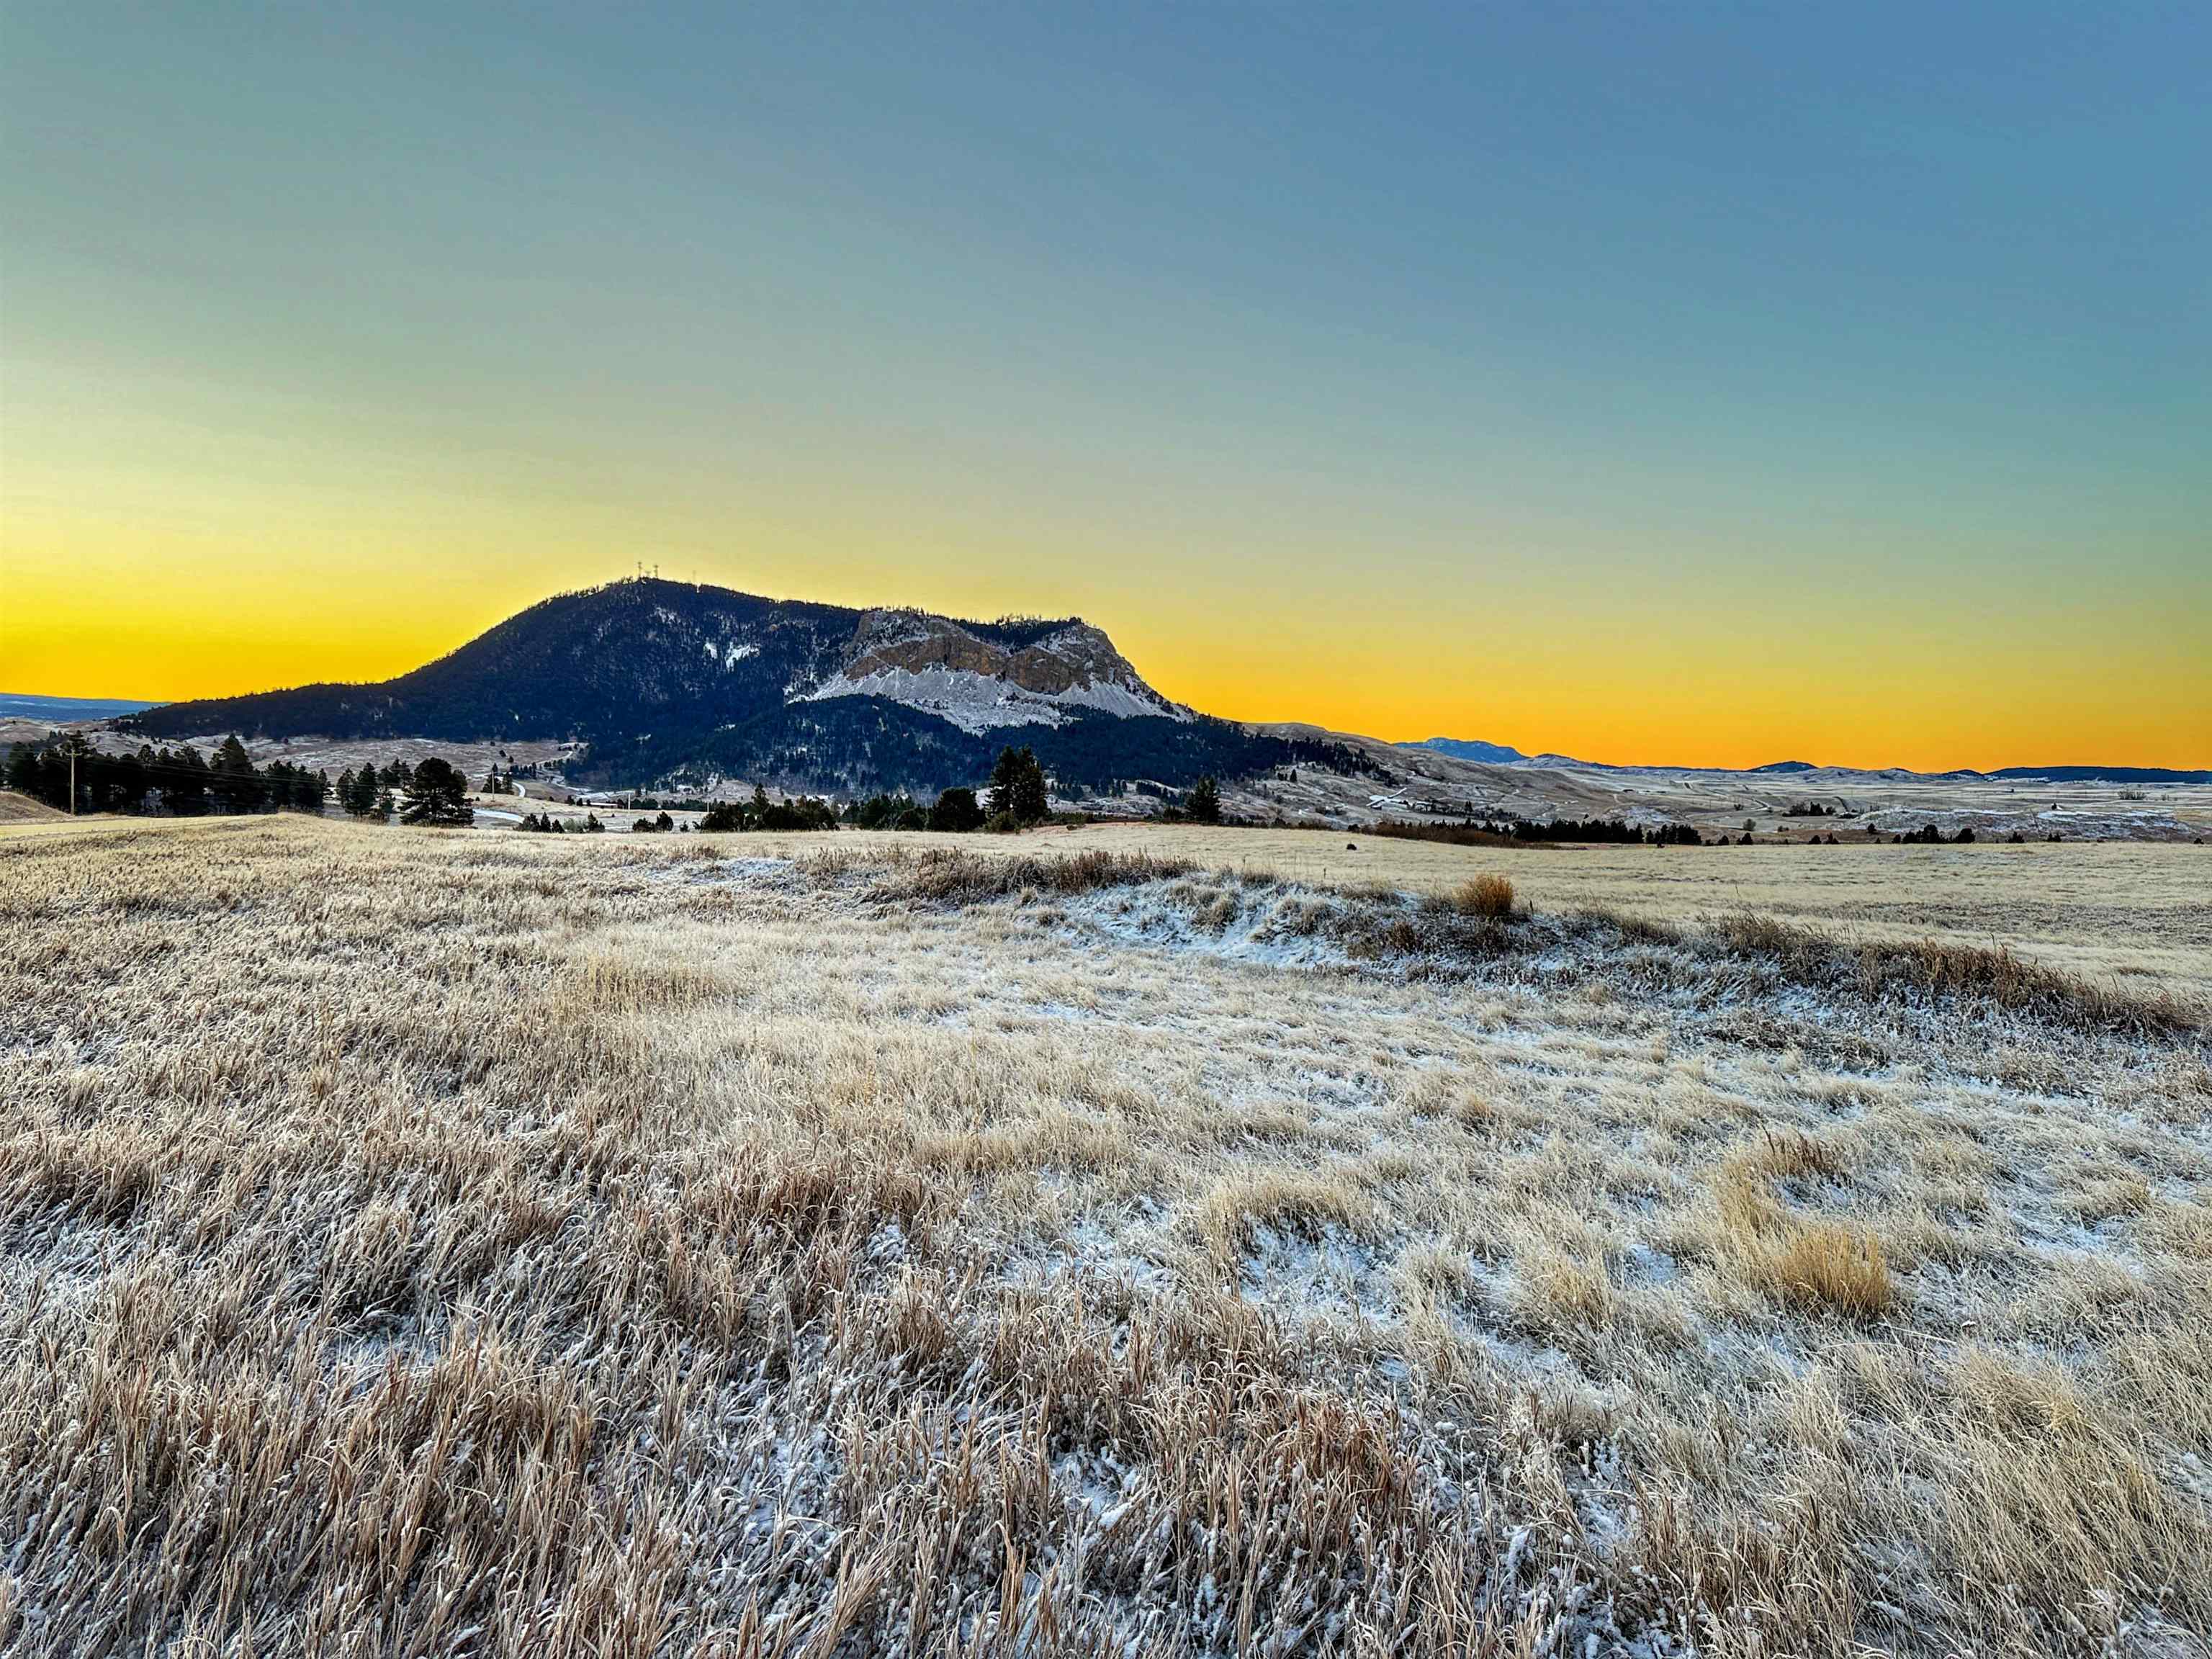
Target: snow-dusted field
{"x":1423,"y":784}
{"x":461,"y":1244}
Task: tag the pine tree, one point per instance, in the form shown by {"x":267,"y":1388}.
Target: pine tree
{"x":1031,"y":802}
{"x":187,"y":788}
{"x":1018,"y":787}
{"x":438,"y":795}
{"x":233,"y":781}
{"x":956,"y":813}
{"x":23,"y":769}
{"x":1205,"y":803}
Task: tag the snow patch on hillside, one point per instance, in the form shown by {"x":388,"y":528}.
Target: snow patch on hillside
{"x":981,"y":703}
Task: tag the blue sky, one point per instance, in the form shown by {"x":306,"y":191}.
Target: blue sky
{"x":1377,"y":365}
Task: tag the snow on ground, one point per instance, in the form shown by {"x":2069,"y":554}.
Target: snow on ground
{"x":983,"y":702}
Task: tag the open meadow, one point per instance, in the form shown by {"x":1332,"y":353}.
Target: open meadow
{"x":1117,"y":1240}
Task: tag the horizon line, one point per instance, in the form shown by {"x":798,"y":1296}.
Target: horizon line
{"x":1553,"y":755}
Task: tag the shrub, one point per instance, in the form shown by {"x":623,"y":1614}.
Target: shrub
{"x":1488,"y":896}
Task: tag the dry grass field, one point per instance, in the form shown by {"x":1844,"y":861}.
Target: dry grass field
{"x":22,"y":809}
{"x":2138,"y":910}
{"x":1105,"y":1241}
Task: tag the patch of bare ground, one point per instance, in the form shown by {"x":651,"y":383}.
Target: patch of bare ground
{"x":421,"y":1242}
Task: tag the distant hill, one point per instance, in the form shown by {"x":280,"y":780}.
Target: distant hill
{"x":60,"y":711}
{"x":1469,"y":749}
{"x":2106,"y":774}
{"x":670,"y":682}
{"x":1474,"y":749}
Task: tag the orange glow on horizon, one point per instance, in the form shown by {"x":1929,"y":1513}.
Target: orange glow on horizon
{"x":204,"y":622}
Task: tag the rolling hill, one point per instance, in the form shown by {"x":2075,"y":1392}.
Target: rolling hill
{"x":665,"y":682}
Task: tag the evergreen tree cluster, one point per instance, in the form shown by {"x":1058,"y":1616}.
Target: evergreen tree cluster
{"x":900,"y":811}
{"x":1928,"y":836}
{"x":956,"y":812}
{"x":435,"y":793}
{"x":544,"y":824}
{"x":800,"y":812}
{"x":1605,"y":831}
{"x":179,"y":782}
{"x":182,"y":783}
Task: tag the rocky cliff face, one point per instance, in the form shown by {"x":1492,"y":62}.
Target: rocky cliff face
{"x":959,"y":672}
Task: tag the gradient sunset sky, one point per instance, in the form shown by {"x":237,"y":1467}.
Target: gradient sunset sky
{"x":1714,"y":386}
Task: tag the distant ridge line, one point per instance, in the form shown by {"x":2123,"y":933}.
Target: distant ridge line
{"x":1475,"y":749}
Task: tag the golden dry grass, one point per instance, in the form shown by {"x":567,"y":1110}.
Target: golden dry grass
{"x":1489,"y":896}
{"x":2096,"y":910}
{"x":469,"y":1244}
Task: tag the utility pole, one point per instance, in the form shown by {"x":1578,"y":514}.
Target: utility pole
{"x":72,"y":753}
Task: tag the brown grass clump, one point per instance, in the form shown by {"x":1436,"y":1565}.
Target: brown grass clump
{"x":1293,"y":1200}
{"x":1489,"y":896}
{"x":1791,"y":1154}
{"x":1833,"y":1266}
{"x":1828,"y":1265}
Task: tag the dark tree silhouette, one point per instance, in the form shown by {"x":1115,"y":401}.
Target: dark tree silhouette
{"x":1205,"y":803}
{"x":438,"y":795}
{"x":957,"y":812}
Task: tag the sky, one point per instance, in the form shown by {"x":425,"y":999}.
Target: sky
{"x":1712,"y":385}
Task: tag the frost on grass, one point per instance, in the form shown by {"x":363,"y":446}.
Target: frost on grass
{"x":598,"y":1249}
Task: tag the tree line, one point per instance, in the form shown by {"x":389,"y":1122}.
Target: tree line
{"x":179,"y":782}
{"x":182,"y":783}
{"x":1476,"y":832}
{"x":1017,"y":797}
